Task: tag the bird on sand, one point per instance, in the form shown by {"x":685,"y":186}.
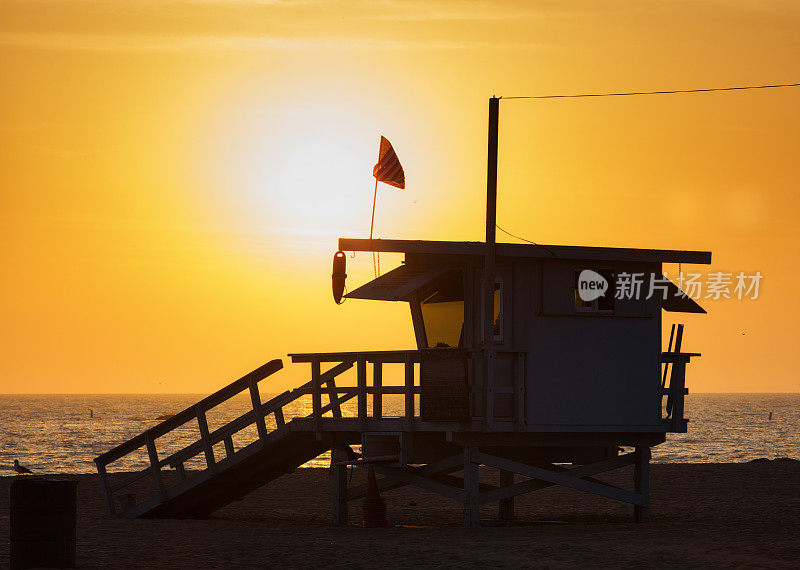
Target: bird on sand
{"x":21,"y":469}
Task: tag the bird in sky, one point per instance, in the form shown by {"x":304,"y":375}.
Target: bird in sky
{"x":21,"y":469}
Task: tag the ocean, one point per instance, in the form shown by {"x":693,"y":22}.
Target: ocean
{"x":63,"y":433}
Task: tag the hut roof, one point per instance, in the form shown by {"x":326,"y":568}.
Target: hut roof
{"x":526,"y":250}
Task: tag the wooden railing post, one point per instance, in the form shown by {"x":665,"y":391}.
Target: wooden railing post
{"x":316,"y":395}
{"x":641,"y":482}
{"x":255,"y":398}
{"x":409,"y":390}
{"x":156,"y":469}
{"x":202,"y":423}
{"x":229,"y":450}
{"x":107,"y":492}
{"x":361,"y":372}
{"x":339,"y":486}
{"x":279,"y":420}
{"x":677,"y":382}
{"x":377,"y":396}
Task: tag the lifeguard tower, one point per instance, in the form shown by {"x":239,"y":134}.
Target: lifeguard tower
{"x":568,"y":368}
{"x":571,"y":381}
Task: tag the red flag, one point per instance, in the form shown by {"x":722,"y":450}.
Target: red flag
{"x":388,"y":169}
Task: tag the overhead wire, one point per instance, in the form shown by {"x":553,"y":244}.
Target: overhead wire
{"x":664,"y":92}
{"x":527,"y":240}
{"x":629,"y":93}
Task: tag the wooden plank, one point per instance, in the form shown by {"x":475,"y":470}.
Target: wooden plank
{"x":258,"y":410}
{"x":339,"y":486}
{"x":377,"y":394}
{"x":338,"y":369}
{"x":229,"y":451}
{"x":361,"y":372}
{"x":188,"y":414}
{"x":412,"y":478}
{"x":418,"y":323}
{"x":181,"y":472}
{"x":202,"y":423}
{"x":409,"y":393}
{"x":472,"y":514}
{"x":641,"y":483}
{"x":563,"y":479}
{"x":675,"y":401}
{"x":446,"y":465}
{"x":519,"y":396}
{"x":280,"y":422}
{"x":399,"y":284}
{"x":316,"y":395}
{"x":155,"y":469}
{"x":536,"y":484}
{"x":130,"y":479}
{"x":333,"y":400}
{"x":350,"y":394}
{"x":547,"y":251}
{"x":396,"y":356}
{"x":107,"y":492}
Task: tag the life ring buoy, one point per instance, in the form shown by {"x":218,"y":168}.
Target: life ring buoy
{"x":338,"y":276}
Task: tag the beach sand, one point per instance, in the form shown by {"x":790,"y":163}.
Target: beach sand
{"x":702,"y":515}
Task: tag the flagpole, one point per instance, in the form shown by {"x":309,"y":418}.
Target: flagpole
{"x":374,"y":199}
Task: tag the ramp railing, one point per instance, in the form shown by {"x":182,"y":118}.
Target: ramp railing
{"x":321,"y":382}
{"x":207,"y":440}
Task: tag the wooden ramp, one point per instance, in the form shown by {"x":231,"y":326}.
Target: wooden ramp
{"x":280,"y":447}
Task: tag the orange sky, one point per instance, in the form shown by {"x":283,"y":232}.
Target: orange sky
{"x":175,"y":173}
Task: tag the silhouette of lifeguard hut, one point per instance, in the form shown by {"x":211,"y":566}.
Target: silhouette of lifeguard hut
{"x":540,"y":361}
{"x":572,"y":380}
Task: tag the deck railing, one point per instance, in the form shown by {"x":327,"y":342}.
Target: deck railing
{"x":676,"y":391}
{"x":325,"y":382}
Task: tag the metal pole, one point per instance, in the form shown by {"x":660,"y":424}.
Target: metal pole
{"x":491,"y":221}
{"x":374,"y":199}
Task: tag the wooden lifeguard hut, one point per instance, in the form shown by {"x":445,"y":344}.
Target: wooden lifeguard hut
{"x":568,"y":368}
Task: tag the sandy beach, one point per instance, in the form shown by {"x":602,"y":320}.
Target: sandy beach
{"x":703,"y":515}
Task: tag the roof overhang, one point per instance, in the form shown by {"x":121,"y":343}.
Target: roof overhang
{"x":399,"y":284}
{"x":526,"y":250}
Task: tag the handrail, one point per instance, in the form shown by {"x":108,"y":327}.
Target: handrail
{"x":380,"y":356}
{"x":190,"y":413}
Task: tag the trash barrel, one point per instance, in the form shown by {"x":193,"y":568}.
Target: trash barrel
{"x":43,"y":523}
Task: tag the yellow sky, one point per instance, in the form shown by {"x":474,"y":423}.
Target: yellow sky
{"x":175,"y":173}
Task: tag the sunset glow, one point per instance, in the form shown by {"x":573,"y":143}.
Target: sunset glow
{"x":175,"y":174}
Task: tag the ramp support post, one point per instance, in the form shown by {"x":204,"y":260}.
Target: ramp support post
{"x":641,"y":483}
{"x":472,"y":513}
{"x":506,"y":510}
{"x":339,"y":485}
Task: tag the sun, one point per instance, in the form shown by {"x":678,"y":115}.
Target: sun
{"x":299,"y":170}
